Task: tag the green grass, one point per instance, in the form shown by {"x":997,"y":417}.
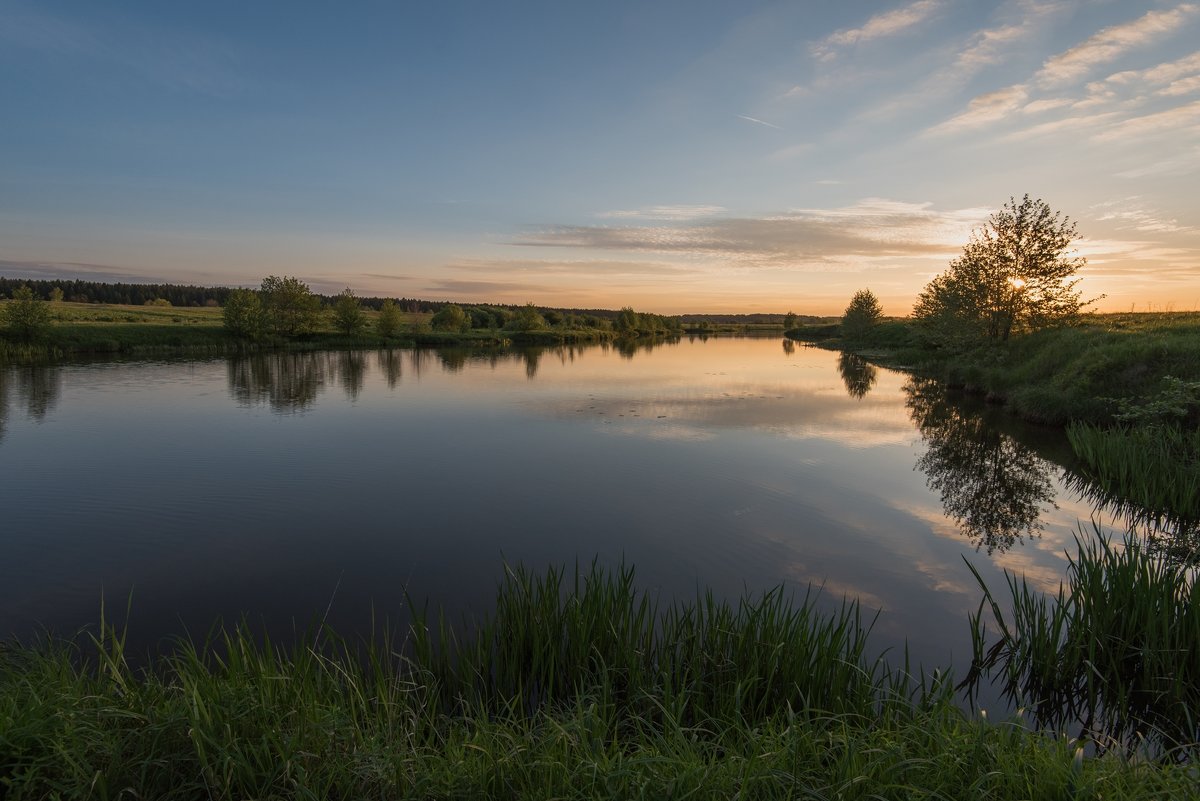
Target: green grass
{"x":578,"y":687}
{"x":1155,"y":468}
{"x":1116,"y":651}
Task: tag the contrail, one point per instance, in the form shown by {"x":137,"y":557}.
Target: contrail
{"x":760,"y":122}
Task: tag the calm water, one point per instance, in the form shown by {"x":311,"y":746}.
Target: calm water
{"x":294,"y":486}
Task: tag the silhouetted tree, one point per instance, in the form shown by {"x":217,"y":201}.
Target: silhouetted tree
{"x":1016,"y":274}
{"x":861,"y":315}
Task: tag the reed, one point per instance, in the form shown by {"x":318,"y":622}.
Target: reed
{"x":578,"y":687}
{"x":1115,"y":652}
{"x":1156,"y":467}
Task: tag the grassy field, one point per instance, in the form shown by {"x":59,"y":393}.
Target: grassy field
{"x":89,"y":328}
{"x":578,"y":687}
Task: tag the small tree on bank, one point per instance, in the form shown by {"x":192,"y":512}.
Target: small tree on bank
{"x":26,"y":316}
{"x":290,"y":307}
{"x":348,"y":316}
{"x":388,"y":323}
{"x":450,"y":317}
{"x":863,"y":313}
{"x":1016,"y":274}
{"x":243,"y":314}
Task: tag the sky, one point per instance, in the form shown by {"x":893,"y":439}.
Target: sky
{"x":671,"y":156}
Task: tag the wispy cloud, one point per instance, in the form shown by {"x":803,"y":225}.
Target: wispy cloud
{"x":49,"y":270}
{"x":1187,"y":117}
{"x":759,"y":122}
{"x":584,"y":268}
{"x":1110,"y":44}
{"x":879,"y":26}
{"x":664,"y":213}
{"x":1133,"y":214}
{"x":874,"y":228}
{"x":985,"y":110}
{"x":493,"y":288}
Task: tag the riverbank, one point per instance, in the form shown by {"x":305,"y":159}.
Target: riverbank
{"x":1081,"y":373}
{"x":83,"y":330}
{"x":578,"y":688}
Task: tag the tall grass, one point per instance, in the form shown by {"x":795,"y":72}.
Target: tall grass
{"x":1116,"y":651}
{"x":580,"y":688}
{"x":1156,"y":467}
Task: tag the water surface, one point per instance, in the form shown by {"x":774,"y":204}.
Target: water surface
{"x":289,"y":487}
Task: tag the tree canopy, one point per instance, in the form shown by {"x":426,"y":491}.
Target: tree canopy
{"x":861,"y":315}
{"x":26,"y":316}
{"x":1015,"y":274}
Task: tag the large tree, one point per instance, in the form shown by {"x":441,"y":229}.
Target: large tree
{"x":1016,"y":274}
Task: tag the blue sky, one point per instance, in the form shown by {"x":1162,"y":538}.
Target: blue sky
{"x":676,"y":157}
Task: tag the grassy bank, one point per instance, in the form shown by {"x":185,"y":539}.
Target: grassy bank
{"x":88,"y":329}
{"x":577,"y":687}
{"x":1080,"y":373}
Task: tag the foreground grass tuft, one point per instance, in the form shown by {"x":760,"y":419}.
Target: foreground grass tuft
{"x":576,"y":688}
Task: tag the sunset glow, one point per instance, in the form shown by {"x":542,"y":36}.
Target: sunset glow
{"x":672,"y":156}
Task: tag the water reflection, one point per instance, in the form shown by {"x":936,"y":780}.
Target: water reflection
{"x":857,"y":374}
{"x":287,"y":382}
{"x":789,"y":347}
{"x":990,"y":483}
{"x":3,"y":402}
{"x":1174,"y":538}
{"x":352,"y":369}
{"x":391,"y":363}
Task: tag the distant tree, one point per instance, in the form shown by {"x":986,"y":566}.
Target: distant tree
{"x":861,"y":315}
{"x":348,"y":316}
{"x":27,"y":316}
{"x":1015,"y":274}
{"x":450,"y":318}
{"x":243,"y":314}
{"x":387,"y":324}
{"x":290,"y":307}
{"x":526,"y":318}
{"x":56,"y":294}
{"x":628,"y":321}
{"x":789,"y":320}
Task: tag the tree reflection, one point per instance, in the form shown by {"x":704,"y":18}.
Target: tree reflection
{"x":39,"y":388}
{"x":453,"y":359}
{"x":789,"y":347}
{"x":287,"y":382}
{"x":352,"y":369}
{"x":992,"y":485}
{"x":532,"y":358}
{"x":4,"y":373}
{"x":857,"y":374}
{"x":392,"y":366}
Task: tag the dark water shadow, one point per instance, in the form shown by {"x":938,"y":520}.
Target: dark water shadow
{"x":992,"y":485}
